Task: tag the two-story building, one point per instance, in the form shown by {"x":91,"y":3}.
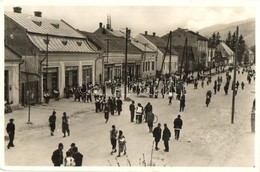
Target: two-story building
{"x":197,"y":47}
{"x":55,"y":53}
{"x":163,"y":60}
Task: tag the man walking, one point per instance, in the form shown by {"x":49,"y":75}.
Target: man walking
{"x":166,"y":137}
{"x":119,"y":105}
{"x":157,"y":133}
{"x":132,"y":110}
{"x":148,"y":108}
{"x":65,"y":125}
{"x":177,"y":125}
{"x":57,"y":156}
{"x":52,"y":121}
{"x":113,"y":137}
{"x":150,"y":119}
{"x":10,"y":128}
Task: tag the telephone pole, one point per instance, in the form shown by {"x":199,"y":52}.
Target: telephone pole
{"x":127,"y":33}
{"x":234,"y":81}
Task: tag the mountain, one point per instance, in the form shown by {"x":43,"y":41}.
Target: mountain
{"x":246,"y":28}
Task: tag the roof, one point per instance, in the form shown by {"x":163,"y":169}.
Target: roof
{"x":224,"y":49}
{"x":13,"y":56}
{"x":116,"y":44}
{"x":60,"y":44}
{"x":200,"y":37}
{"x":159,"y":42}
{"x":191,"y":54}
{"x":42,"y":25}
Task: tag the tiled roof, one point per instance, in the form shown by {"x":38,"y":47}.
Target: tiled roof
{"x":224,"y":49}
{"x":60,"y":44}
{"x":160,"y":43}
{"x":42,"y":25}
{"x":116,"y":44}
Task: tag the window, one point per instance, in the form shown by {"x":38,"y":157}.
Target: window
{"x":143,"y":66}
{"x":148,"y":66}
{"x":56,"y":25}
{"x":38,"y":23}
{"x":152,"y":65}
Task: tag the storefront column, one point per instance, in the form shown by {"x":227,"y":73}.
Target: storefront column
{"x":93,"y":72}
{"x":61,"y":76}
{"x":80,"y":73}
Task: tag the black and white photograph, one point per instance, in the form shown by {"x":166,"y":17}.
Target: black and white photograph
{"x":129,"y":87}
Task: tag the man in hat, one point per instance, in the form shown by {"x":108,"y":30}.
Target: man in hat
{"x":65,"y":124}
{"x":52,"y":121}
{"x":57,"y":156}
{"x":10,"y":128}
{"x":71,"y":149}
{"x":113,"y":137}
{"x":166,"y":137}
{"x":177,"y":126}
{"x":157,"y":134}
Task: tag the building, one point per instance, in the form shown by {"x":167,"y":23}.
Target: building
{"x":223,"y":54}
{"x":112,"y":60}
{"x":163,"y":60}
{"x":13,"y":60}
{"x":197,"y":47}
{"x":56,"y":54}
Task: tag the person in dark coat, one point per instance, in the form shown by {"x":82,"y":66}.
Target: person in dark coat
{"x":78,"y":157}
{"x":106,"y":112}
{"x":52,"y":122}
{"x":242,"y":85}
{"x":71,"y":149}
{"x":150,"y":119}
{"x":157,"y":134}
{"x":177,"y":125}
{"x":113,"y":106}
{"x":132,"y":110}
{"x":148,"y":108}
{"x":65,"y":125}
{"x":10,"y":128}
{"x":57,"y":156}
{"x":113,"y":137}
{"x":182,"y":103}
{"x":119,"y":105}
{"x":166,"y":137}
{"x":97,"y":104}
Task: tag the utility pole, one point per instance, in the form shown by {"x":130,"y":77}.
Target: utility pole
{"x":170,"y":60}
{"x":47,"y":60}
{"x":234,"y":81}
{"x":126,"y":45}
{"x":183,"y":55}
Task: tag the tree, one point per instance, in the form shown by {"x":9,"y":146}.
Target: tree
{"x":228,"y":39}
{"x":241,"y":48}
{"x":217,"y":39}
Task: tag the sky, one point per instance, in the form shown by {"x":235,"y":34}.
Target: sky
{"x":139,"y":18}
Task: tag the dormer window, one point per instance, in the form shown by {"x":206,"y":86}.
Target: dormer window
{"x":64,"y":42}
{"x":56,"y":25}
{"x":38,"y":23}
{"x":79,"y":43}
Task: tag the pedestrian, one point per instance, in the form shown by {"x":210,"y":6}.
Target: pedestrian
{"x":10,"y":128}
{"x":170,"y":97}
{"x":218,"y":86}
{"x":113,"y":137}
{"x":237,"y":84}
{"x":113,"y":106}
{"x":207,"y":99}
{"x":150,"y":119}
{"x":106,"y":112}
{"x":119,"y":105}
{"x":78,"y":157}
{"x":121,"y":143}
{"x":69,"y":160}
{"x":52,"y":122}
{"x":177,"y":125}
{"x":72,"y":145}
{"x":202,"y":83}
{"x":182,"y":103}
{"x":166,"y":137}
{"x":65,"y":125}
{"x":148,"y":108}
{"x":89,"y":98}
{"x":132,"y":110}
{"x":97,"y":103}
{"x":215,"y":87}
{"x":57,"y":156}
{"x":157,"y":134}
{"x":242,"y":85}
{"x":139,"y":113}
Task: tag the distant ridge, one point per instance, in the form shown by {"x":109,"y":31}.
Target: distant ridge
{"x":246,"y":28}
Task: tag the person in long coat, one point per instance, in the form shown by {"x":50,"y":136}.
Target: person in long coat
{"x":132,"y":110}
{"x":106,"y":112}
{"x":150,"y":119}
{"x":52,"y":122}
{"x":10,"y":129}
{"x":148,"y":108}
{"x":65,"y":124}
{"x":119,"y":105}
{"x":182,"y":103}
{"x":157,"y":134}
{"x":57,"y":156}
{"x":166,"y":137}
{"x":177,"y":125}
{"x":113,"y":106}
{"x":113,"y":137}
{"x":78,"y":157}
{"x":121,"y":143}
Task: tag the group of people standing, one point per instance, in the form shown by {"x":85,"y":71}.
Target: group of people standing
{"x":65,"y":123}
{"x":120,"y":138}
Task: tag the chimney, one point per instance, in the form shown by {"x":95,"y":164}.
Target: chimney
{"x":37,"y":13}
{"x":100,"y":25}
{"x":154,"y":33}
{"x":17,"y":10}
{"x":145,"y":32}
